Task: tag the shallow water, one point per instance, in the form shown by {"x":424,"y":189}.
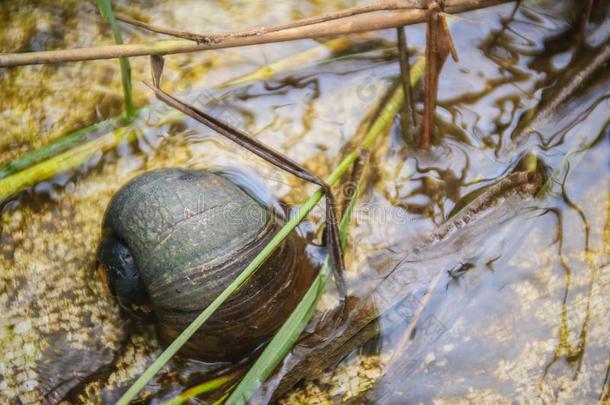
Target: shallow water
{"x":527,"y":321}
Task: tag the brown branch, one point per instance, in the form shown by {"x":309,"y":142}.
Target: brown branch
{"x":408,"y":114}
{"x":433,"y":58}
{"x":369,"y":21}
{"x":210,"y":38}
{"x":438,"y":46}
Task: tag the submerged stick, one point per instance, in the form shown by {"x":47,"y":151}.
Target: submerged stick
{"x":408,"y":332}
{"x":52,"y":149}
{"x":357,"y":23}
{"x":65,"y":161}
{"x":570,"y":80}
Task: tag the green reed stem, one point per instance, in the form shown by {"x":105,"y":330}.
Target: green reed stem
{"x":106,"y":11}
{"x":64,"y":161}
{"x":208,"y":386}
{"x":385,"y":118}
{"x":52,"y":149}
{"x":287,"y":335}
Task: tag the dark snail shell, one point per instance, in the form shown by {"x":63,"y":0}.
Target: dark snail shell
{"x":174,"y":239}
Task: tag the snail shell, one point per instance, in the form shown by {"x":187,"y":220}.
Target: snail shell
{"x":174,"y":239}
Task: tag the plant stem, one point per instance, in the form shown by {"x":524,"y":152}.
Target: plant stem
{"x":62,"y":162}
{"x":47,"y":151}
{"x":202,"y":388}
{"x":438,"y":46}
{"x":106,"y":11}
{"x":287,"y":335}
{"x":408,"y":114}
{"x":357,"y":23}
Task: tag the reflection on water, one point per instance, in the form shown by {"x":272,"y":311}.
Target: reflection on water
{"x":511,"y":306}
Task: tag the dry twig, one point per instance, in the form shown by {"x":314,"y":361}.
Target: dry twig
{"x":408,"y":121}
{"x":438,"y":46}
{"x":349,"y":12}
{"x":359,"y":22}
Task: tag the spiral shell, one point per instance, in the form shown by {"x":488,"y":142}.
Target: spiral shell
{"x":190,"y":234}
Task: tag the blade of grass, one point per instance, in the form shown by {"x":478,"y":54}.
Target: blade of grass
{"x":47,"y":151}
{"x":208,"y":386}
{"x":64,"y":161}
{"x":292,"y":328}
{"x":281,"y":343}
{"x":385,"y":117}
{"x":106,"y":12}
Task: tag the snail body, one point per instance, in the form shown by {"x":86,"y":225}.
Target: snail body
{"x":173,"y":240}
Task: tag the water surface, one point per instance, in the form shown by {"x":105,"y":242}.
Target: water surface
{"x":527,"y":321}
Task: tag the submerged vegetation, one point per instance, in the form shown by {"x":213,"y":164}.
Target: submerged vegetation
{"x":429,"y":217}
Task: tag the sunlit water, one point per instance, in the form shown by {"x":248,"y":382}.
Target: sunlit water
{"x":527,"y":320}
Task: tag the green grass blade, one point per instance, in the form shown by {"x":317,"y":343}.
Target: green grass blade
{"x":106,"y":12}
{"x":287,"y":335}
{"x":385,"y":118}
{"x":64,"y":161}
{"x":283,"y":340}
{"x":65,"y":142}
{"x":203,"y":388}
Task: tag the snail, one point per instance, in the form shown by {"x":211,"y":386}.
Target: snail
{"x":174,"y":239}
